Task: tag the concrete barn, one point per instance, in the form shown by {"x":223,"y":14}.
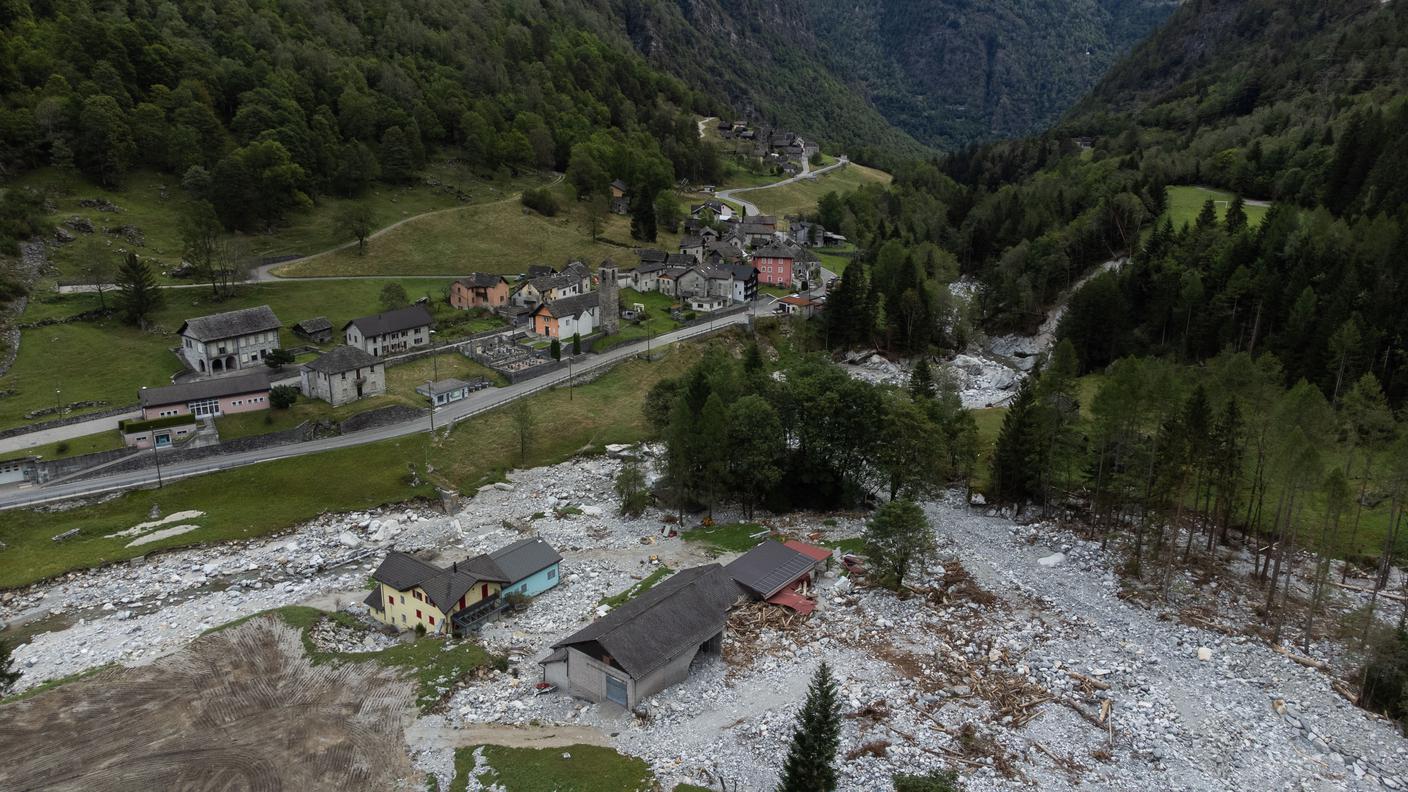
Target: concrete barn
{"x":229,"y":341}
{"x":647,"y":644}
{"x":343,"y":375}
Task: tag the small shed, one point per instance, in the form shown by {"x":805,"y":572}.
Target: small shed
{"x":318,"y":329}
{"x":445,"y":391}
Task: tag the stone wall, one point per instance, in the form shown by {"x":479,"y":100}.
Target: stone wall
{"x":240,"y":444}
{"x":72,"y":419}
{"x":382,"y":416}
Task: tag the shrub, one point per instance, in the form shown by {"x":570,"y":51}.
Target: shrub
{"x":931,"y":782}
{"x":420,"y":630}
{"x":541,"y":201}
{"x":62,"y":448}
{"x":278,"y":357}
{"x":283,"y":397}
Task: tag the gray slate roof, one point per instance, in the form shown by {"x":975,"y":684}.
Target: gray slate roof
{"x":572,"y":306}
{"x":392,"y":321}
{"x":651,"y":255}
{"x":481,"y":280}
{"x":524,"y":558}
{"x":775,"y":251}
{"x":183,"y":392}
{"x":231,"y":324}
{"x":769,"y":567}
{"x":442,"y":386}
{"x":677,"y":615}
{"x":317,"y":324}
{"x":342,"y":358}
{"x":572,"y":273}
{"x":443,"y":587}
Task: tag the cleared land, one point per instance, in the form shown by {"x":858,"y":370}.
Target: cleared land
{"x":151,"y":201}
{"x":242,"y":709}
{"x":576,"y":768}
{"x":477,"y":451}
{"x":801,"y":196}
{"x":1184,"y":204}
{"x":501,"y":237}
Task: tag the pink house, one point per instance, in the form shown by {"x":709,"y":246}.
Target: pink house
{"x":774,"y":265}
{"x":208,"y":398}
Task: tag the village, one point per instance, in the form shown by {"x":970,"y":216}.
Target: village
{"x":492,"y":329}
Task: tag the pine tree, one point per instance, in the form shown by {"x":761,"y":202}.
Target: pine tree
{"x":576,"y":344}
{"x":1207,"y":216}
{"x":1236,"y":218}
{"x":138,"y":295}
{"x":921,"y":380}
{"x":555,"y":349}
{"x":810,"y":760}
{"x":1015,"y":469}
{"x":8,"y":677}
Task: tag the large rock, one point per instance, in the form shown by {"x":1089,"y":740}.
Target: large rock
{"x":1055,"y":559}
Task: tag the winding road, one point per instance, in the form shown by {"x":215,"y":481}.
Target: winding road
{"x":750,"y":208}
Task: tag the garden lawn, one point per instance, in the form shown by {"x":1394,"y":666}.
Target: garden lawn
{"x":501,"y":237}
{"x":1184,"y":204}
{"x":802,"y":196}
{"x":271,"y":496}
{"x":729,"y":538}
{"x":109,"y":361}
{"x":575,"y":768}
{"x":657,"y":308}
{"x":77,"y":446}
{"x":403,"y":380}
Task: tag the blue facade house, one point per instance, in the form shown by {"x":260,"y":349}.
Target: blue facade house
{"x":530,"y":565}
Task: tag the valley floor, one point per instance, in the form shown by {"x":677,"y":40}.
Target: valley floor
{"x":1016,"y":667}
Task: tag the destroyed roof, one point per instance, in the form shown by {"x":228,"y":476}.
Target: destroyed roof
{"x":675,"y":616}
{"x":524,"y":558}
{"x":411,"y":316}
{"x":342,"y":358}
{"x":230,"y":324}
{"x":769,"y":567}
{"x":183,"y":392}
{"x":481,"y":280}
{"x":443,"y":587}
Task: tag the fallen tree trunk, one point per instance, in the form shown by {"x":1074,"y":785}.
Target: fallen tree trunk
{"x":1308,"y":662}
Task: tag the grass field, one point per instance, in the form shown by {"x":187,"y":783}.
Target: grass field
{"x":575,"y":768}
{"x":78,"y":446}
{"x":657,"y":308}
{"x":151,"y":202}
{"x":802,"y":196}
{"x":403,"y":380}
{"x":477,"y":451}
{"x":836,"y":259}
{"x":500,"y":237}
{"x":107,"y":360}
{"x":728,"y":538}
{"x":1184,"y":204}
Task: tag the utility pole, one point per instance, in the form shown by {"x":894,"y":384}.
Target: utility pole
{"x":157,"y":458}
{"x":569,"y":379}
{"x":430,"y":389}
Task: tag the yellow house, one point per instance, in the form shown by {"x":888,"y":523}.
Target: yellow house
{"x":410,"y":592}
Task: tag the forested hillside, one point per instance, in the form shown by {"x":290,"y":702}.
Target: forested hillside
{"x":951,"y":72}
{"x":260,"y":108}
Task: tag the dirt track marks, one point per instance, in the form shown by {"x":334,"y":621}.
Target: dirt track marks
{"x":239,"y":711}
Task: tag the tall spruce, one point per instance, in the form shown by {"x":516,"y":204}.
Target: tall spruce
{"x":8,"y":676}
{"x":1016,"y":472}
{"x":811,"y":760}
{"x":138,"y":294}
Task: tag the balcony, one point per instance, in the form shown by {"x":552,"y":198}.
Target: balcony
{"x":475,"y":615}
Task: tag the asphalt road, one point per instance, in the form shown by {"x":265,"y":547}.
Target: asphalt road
{"x":479,"y":402}
{"x":750,"y":208}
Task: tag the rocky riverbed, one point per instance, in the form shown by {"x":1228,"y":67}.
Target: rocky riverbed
{"x":1018,"y":657}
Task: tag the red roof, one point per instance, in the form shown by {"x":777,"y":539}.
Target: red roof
{"x":809,"y":550}
{"x":791,"y":599}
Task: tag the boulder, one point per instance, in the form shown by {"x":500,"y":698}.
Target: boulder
{"x":1052,"y":560}
{"x":348,"y":539}
{"x":1204,"y":653}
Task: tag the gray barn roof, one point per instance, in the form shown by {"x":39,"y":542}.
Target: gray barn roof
{"x":342,"y":358}
{"x":317,"y":324}
{"x":253,"y":382}
{"x":678,"y":614}
{"x":769,"y":567}
{"x":524,"y":558}
{"x":575,"y":305}
{"x":230,"y":324}
{"x":443,"y":587}
{"x":392,"y":321}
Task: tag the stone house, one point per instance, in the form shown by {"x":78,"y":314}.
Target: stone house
{"x":410,"y":592}
{"x":479,"y":290}
{"x":229,"y":341}
{"x":574,"y":280}
{"x":390,"y":332}
{"x":567,"y":317}
{"x":647,"y":644}
{"x":343,"y":375}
